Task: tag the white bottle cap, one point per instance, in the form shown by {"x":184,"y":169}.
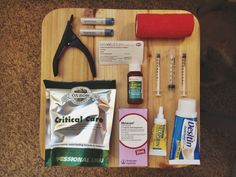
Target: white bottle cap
{"x":160,"y":119}
{"x":187,"y":107}
{"x":160,"y":113}
{"x":134,"y":67}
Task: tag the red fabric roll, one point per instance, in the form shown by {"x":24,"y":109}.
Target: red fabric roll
{"x":164,"y":25}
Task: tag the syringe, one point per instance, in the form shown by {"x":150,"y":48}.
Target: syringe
{"x":158,"y":74}
{"x":171,"y":82}
{"x":183,"y":75}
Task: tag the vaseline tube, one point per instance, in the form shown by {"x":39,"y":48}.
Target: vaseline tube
{"x":158,"y":139}
{"x":184,"y":147}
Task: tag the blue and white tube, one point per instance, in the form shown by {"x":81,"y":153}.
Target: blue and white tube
{"x":97,"y":21}
{"x":185,"y":146}
{"x":96,"y":32}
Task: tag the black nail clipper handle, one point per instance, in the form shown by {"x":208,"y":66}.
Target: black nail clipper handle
{"x":57,"y":57}
{"x":69,"y":39}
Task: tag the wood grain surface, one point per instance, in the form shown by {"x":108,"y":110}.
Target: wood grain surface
{"x":74,"y":67}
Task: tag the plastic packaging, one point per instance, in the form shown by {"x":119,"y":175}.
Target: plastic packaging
{"x":185,"y":147}
{"x":159,"y":139}
{"x":79,"y":122}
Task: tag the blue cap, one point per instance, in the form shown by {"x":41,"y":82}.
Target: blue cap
{"x":109,"y":32}
{"x":109,"y":21}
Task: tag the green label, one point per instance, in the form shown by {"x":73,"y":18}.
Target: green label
{"x":135,"y":89}
{"x":76,"y":157}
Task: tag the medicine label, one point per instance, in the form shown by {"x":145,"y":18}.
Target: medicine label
{"x":120,"y":52}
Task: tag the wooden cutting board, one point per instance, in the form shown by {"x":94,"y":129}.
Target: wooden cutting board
{"x":74,"y":67}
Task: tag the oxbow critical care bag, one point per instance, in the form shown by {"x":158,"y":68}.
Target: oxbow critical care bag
{"x":79,"y":118}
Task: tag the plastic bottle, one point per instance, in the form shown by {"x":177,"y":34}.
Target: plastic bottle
{"x":184,"y":146}
{"x":135,"y":84}
{"x":158,"y":139}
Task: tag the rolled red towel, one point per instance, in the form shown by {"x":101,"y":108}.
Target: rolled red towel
{"x":164,"y":25}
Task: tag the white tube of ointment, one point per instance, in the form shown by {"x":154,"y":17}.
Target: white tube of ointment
{"x":158,"y":139}
{"x":184,"y":146}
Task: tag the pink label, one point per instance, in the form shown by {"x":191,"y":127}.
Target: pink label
{"x":133,"y":137}
{"x":140,"y":151}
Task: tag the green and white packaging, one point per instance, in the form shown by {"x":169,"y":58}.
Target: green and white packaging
{"x":79,"y":122}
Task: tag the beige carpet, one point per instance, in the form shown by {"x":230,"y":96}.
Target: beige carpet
{"x":20,"y":43}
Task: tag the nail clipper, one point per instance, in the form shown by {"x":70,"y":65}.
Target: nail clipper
{"x":70,"y":39}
